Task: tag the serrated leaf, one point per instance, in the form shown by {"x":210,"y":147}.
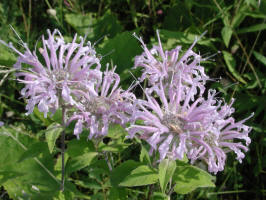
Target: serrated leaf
{"x":52,"y":133}
{"x":122,"y":171}
{"x":254,"y":28}
{"x":79,"y":162}
{"x":166,"y":170}
{"x":231,"y":64}
{"x":142,"y":175}
{"x":226,"y":35}
{"x":260,"y":57}
{"x":187,"y":178}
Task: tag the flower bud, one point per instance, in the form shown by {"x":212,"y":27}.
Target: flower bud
{"x":52,"y":12}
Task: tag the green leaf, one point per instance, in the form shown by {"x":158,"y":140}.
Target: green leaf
{"x":187,"y":178}
{"x":144,"y":155}
{"x":81,"y":23}
{"x":117,"y":193}
{"x":57,"y":116}
{"x":226,"y":35}
{"x":177,"y":17}
{"x":166,"y":170}
{"x":122,"y":171}
{"x":231,"y":64}
{"x":33,"y":151}
{"x":255,"y":14}
{"x":107,"y":25}
{"x":39,"y":116}
{"x":142,"y":175}
{"x":70,"y":193}
{"x":116,"y":136}
{"x":101,"y":166}
{"x":6,"y":175}
{"x":239,"y":16}
{"x":173,"y":38}
{"x":91,"y":184}
{"x":113,"y":146}
{"x":122,"y":49}
{"x":116,"y":131}
{"x":58,"y":164}
{"x":52,"y":133}
{"x":7,"y":57}
{"x":94,"y":28}
{"x":260,"y":57}
{"x":27,"y":178}
{"x":79,"y":147}
{"x":160,"y":196}
{"x":254,"y":28}
{"x":79,"y":162}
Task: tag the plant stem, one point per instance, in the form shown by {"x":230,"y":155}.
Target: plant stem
{"x":248,"y":60}
{"x":106,"y":157}
{"x":171,"y":190}
{"x":63,"y":148}
{"x":150,"y":192}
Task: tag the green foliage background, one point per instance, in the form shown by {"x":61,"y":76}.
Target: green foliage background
{"x":235,"y":30}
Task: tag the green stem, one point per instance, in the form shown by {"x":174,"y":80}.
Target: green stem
{"x":106,"y":157}
{"x":171,"y":190}
{"x":150,"y":192}
{"x":63,"y":148}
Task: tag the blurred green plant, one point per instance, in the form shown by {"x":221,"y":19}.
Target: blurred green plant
{"x":235,"y":28}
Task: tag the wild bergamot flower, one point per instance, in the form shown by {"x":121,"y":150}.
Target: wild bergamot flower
{"x":66,"y":69}
{"x":177,"y":119}
{"x":107,"y":104}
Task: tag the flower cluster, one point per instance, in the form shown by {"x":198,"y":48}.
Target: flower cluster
{"x":179,"y":116}
{"x":70,"y":76}
{"x":177,"y":119}
{"x":67,"y":70}
{"x":107,"y":104}
{"x":163,"y":65}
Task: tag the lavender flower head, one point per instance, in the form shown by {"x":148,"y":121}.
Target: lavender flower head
{"x":170,"y":66}
{"x":180,"y":121}
{"x":108,"y":103}
{"x":67,"y":69}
